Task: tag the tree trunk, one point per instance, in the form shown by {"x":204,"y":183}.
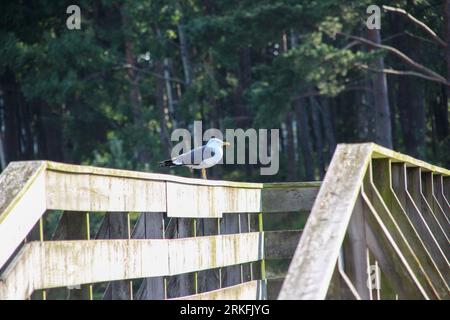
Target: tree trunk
{"x":135,"y":93}
{"x":2,"y":155}
{"x":328,"y":127}
{"x":143,"y":155}
{"x":447,"y":40}
{"x":364,"y":100}
{"x":40,"y":132}
{"x":410,"y":102}
{"x":170,"y":101}
{"x":440,"y":114}
{"x":242,"y":112}
{"x":304,"y":139}
{"x":244,"y":76}
{"x":393,"y":83}
{"x":52,"y":133}
{"x":164,"y":133}
{"x":442,"y":124}
{"x":11,"y":117}
{"x":411,"y":105}
{"x":291,"y":164}
{"x":314,"y":107}
{"x":303,"y":136}
{"x":24,"y":120}
{"x":383,"y":131}
{"x":184,"y":52}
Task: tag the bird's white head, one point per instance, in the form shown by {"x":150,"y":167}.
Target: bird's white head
{"x":215,"y":142}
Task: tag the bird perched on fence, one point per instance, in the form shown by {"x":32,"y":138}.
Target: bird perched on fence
{"x":199,"y":158}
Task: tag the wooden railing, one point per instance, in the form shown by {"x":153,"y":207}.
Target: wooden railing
{"x":132,"y":235}
{"x":379,"y":229}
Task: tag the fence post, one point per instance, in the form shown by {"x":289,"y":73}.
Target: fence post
{"x":150,"y":226}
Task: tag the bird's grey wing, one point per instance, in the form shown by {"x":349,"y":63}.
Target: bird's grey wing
{"x":195,"y":156}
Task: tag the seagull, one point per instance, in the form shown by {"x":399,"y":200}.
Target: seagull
{"x":199,"y":158}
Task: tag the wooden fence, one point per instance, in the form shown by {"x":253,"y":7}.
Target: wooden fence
{"x":132,"y":235}
{"x":379,"y":229}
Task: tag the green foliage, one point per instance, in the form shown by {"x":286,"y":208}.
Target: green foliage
{"x":249,"y":60}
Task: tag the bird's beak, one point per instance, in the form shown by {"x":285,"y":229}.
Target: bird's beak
{"x":226,"y":143}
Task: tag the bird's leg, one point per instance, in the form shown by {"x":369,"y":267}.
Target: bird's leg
{"x":204,"y":174}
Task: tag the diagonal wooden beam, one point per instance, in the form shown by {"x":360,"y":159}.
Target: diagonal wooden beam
{"x":22,"y":203}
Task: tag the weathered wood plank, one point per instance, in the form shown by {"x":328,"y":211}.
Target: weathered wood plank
{"x":22,"y":203}
{"x":316,"y":255}
{"x":288,"y":199}
{"x":231,"y":276}
{"x":424,"y":210}
{"x":334,"y":291}
{"x":389,"y":256}
{"x":210,"y":201}
{"x":347,"y":286}
{"x":256,"y":268}
{"x":446,"y":189}
{"x":430,"y":195}
{"x":438,"y":193}
{"x":86,"y":192}
{"x":208,"y":280}
{"x":383,"y":183}
{"x":389,"y":225}
{"x":214,"y":251}
{"x":251,"y":290}
{"x":181,"y":284}
{"x":398,"y":174}
{"x":292,"y":185}
{"x":118,"y":228}
{"x":16,"y":282}
{"x":36,"y":234}
{"x":53,"y":264}
{"x":379,"y":152}
{"x":77,"y":169}
{"x":246,"y":269}
{"x":339,"y":288}
{"x":195,"y":201}
{"x":15,"y":181}
{"x":281,"y":244}
{"x":382,"y":152}
{"x":69,"y":263}
{"x":274,"y":287}
{"x":355,"y":251}
{"x":72,"y":226}
{"x":150,"y":226}
{"x":417,"y":222}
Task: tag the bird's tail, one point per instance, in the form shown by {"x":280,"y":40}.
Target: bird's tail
{"x":167,"y":163}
